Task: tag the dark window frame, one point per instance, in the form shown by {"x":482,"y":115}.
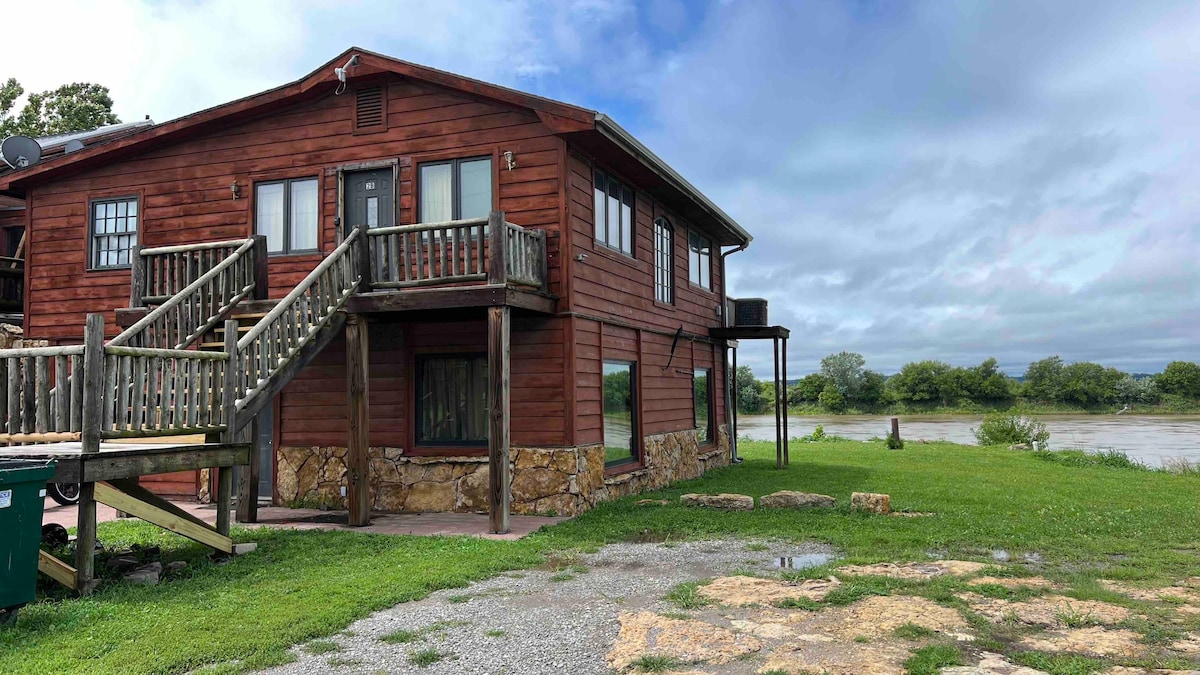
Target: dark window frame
{"x":609,"y":179}
{"x":635,"y":452}
{"x":455,"y":184}
{"x":418,"y":417}
{"x":93,"y":259}
{"x":708,"y":429}
{"x":287,"y":214}
{"x":700,"y":260}
{"x":664,"y":261}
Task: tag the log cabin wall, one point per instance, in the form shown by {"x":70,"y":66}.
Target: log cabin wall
{"x":185,"y":196}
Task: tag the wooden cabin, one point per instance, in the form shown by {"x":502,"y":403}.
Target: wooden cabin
{"x":524,"y":288}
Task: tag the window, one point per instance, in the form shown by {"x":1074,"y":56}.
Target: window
{"x":286,"y":211}
{"x":699,"y":260}
{"x":700,"y":404}
{"x":664,"y":261}
{"x":452,"y":400}
{"x":620,"y":423}
{"x":456,"y":189}
{"x":613,"y":213}
{"x":114,"y":232}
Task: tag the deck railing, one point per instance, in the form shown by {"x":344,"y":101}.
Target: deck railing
{"x":161,"y":392}
{"x":162,"y":272}
{"x":42,"y":396}
{"x":182,"y":318}
{"x":12,"y":284}
{"x":272,"y":343}
{"x":456,"y":251}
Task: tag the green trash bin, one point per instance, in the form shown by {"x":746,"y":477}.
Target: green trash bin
{"x":22,"y":494}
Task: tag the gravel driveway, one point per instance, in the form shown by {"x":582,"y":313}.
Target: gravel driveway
{"x":562,"y":618}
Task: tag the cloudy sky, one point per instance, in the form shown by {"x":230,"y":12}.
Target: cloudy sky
{"x":950,"y":180}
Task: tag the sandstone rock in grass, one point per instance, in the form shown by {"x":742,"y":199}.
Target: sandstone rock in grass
{"x":723,"y":501}
{"x":879,"y":615}
{"x":1093,"y":641}
{"x":689,"y":641}
{"x":1014,"y":582}
{"x":790,"y":499}
{"x":870,"y":502}
{"x":992,"y":664}
{"x":1127,"y":670}
{"x":1048,"y":611}
{"x":147,"y":575}
{"x":1152,"y":594}
{"x":744,"y":591}
{"x":914,"y":570}
{"x":651,"y":502}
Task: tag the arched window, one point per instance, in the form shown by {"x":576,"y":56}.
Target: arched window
{"x":664,"y":261}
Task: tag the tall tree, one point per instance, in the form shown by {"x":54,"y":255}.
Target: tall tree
{"x":72,"y":107}
{"x":1044,"y":379}
{"x":844,"y":371}
{"x":1181,"y":378}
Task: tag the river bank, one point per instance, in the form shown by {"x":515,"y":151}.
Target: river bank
{"x":1173,"y":406}
{"x":1151,"y":439}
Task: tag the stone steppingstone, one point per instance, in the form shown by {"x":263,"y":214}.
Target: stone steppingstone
{"x":691,"y":641}
{"x":870,"y":502}
{"x":747,"y":591}
{"x":790,"y":499}
{"x":724,"y":501}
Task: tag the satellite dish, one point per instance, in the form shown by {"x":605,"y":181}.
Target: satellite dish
{"x":20,"y":151}
{"x":74,"y":145}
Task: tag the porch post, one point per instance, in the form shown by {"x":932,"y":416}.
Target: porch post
{"x":786,"y":459}
{"x":247,"y":490}
{"x":733,"y":450}
{"x":357,"y":453}
{"x":778,"y":421}
{"x":499,"y":324}
{"x":93,"y":407}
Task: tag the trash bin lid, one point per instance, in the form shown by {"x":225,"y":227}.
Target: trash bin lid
{"x":25,"y":471}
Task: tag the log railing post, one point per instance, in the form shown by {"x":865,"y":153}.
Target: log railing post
{"x":357,"y":392}
{"x":93,"y":406}
{"x":137,"y":284}
{"x":363,"y":258}
{"x":499,"y":322}
{"x":497,"y":272}
{"x":260,"y":267}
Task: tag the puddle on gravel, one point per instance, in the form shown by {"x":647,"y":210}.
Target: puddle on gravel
{"x":799,"y":562}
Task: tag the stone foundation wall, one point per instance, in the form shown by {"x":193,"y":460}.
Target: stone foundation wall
{"x":559,"y":481}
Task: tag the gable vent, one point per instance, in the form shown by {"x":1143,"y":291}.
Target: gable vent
{"x":368,"y":111}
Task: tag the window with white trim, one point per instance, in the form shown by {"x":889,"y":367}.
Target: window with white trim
{"x":287,"y":212}
{"x":664,"y":261}
{"x":113,"y":232}
{"x":455,"y":189}
{"x":613,"y":212}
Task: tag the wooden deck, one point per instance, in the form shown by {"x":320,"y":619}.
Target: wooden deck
{"x":129,"y":460}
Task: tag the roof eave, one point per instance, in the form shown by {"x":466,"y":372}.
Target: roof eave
{"x":613,"y":131}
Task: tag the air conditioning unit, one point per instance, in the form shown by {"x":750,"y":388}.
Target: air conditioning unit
{"x":749,"y":312}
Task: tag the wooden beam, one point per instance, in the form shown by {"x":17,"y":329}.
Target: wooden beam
{"x":131,"y":487}
{"x":413,"y":300}
{"x":358,"y":368}
{"x":85,"y":537}
{"x":224,"y":499}
{"x":499,"y":326}
{"x":778,"y":426}
{"x":57,"y":570}
{"x":247,"y":489}
{"x":107,"y":494}
{"x":786,"y":458}
{"x":748,"y":332}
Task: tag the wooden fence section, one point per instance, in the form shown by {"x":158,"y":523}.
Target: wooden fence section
{"x":42,"y":396}
{"x":160,"y":273}
{"x":183,"y":318}
{"x":161,"y":392}
{"x":457,"y":251}
{"x":266,"y":352}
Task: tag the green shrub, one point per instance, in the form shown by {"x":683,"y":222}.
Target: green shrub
{"x":894,"y":442}
{"x":816,"y":436}
{"x":831,"y":399}
{"x":1001,"y":429}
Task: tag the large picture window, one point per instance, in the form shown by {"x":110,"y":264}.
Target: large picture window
{"x":455,"y":189}
{"x":620,"y":411}
{"x":452,"y":400}
{"x":701,"y":396}
{"x":664,"y":261}
{"x":113,"y":232}
{"x":613,"y":211}
{"x":700,"y":260}
{"x":287,"y":211}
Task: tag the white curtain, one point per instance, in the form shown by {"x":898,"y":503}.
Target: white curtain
{"x":436,"y":193}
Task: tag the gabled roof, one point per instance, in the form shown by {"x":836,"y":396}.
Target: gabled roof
{"x":56,"y":144}
{"x":592,"y":130}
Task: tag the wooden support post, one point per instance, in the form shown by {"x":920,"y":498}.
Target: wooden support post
{"x":248,"y":478}
{"x":137,"y":283}
{"x":224,"y":498}
{"x":358,"y":376}
{"x":261,"y":281}
{"x":497,"y":272}
{"x":499,"y":323}
{"x":786,"y":458}
{"x":733,"y":426}
{"x":778,"y":421}
{"x":364,"y":257}
{"x":92,"y":415}
{"x":896,"y":428}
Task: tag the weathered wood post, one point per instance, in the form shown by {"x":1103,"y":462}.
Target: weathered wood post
{"x":733,"y":427}
{"x":499,"y":323}
{"x":362,"y":253}
{"x":497,"y":272}
{"x":91,"y":417}
{"x":137,"y":283}
{"x":261,"y":280}
{"x":786,"y":442}
{"x":229,"y":419}
{"x":896,"y":428}
{"x":358,"y":473}
{"x":778,"y":421}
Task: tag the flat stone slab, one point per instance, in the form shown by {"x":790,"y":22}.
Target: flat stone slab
{"x":791,"y":499}
{"x":992,"y":664}
{"x":146,"y":575}
{"x":724,"y":501}
{"x":1047,"y":611}
{"x":1015,"y":582}
{"x":746,"y":591}
{"x":686,"y":640}
{"x":1092,"y":641}
{"x":915,"y":570}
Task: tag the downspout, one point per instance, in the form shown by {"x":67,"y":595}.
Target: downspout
{"x":730,"y":401}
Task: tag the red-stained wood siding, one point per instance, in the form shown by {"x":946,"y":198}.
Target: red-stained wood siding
{"x":313,"y":406}
{"x":185,"y":187}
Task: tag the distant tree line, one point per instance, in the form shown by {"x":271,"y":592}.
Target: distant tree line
{"x":845,"y":383}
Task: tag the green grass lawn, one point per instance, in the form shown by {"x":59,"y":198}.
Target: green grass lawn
{"x":1083,"y":521}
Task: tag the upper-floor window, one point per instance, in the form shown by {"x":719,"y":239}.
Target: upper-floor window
{"x":613,"y":212}
{"x":664,"y":261}
{"x":700,"y":260}
{"x":456,"y":189}
{"x":113,"y":232}
{"x":286,"y":211}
